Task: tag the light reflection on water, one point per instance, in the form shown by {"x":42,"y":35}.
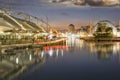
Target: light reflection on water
{"x":105,"y":50}
{"x":76,"y":57}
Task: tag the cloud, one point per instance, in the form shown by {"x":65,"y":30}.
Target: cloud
{"x":65,"y":14}
{"x":20,"y":3}
{"x":89,"y":2}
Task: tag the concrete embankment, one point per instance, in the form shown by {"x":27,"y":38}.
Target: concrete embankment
{"x":114,"y":39}
{"x":8,"y":48}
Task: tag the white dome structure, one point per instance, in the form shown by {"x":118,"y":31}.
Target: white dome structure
{"x":108,"y":24}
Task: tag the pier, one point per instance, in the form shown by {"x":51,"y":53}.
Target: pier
{"x":114,"y":39}
{"x":3,"y":48}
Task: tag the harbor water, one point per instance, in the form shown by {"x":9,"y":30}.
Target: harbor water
{"x":75,"y":60}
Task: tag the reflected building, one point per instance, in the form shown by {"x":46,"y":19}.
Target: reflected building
{"x":75,"y":43}
{"x":29,"y":60}
{"x":104,"y":50}
{"x":12,"y":66}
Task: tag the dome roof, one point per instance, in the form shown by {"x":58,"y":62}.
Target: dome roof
{"x":108,"y":24}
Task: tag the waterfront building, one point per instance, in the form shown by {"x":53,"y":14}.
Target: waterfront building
{"x":105,"y":27}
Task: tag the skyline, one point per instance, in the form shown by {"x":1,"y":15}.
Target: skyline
{"x":62,"y":14}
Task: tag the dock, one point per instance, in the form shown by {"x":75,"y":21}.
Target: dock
{"x":114,"y":39}
{"x":3,"y":48}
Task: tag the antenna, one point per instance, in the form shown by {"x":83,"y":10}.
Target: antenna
{"x":47,"y":24}
{"x":118,"y":25}
{"x":119,"y":3}
{"x":90,"y":24}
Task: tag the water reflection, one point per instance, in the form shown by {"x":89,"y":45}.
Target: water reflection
{"x":104,"y":50}
{"x":12,"y":66}
{"x":27,"y":61}
{"x":74,"y":44}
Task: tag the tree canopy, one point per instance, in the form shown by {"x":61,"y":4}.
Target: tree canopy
{"x":103,"y":30}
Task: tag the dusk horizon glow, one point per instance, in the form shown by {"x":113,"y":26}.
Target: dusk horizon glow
{"x":63,"y":15}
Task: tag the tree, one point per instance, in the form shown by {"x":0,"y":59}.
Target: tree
{"x":71,"y":28}
{"x":103,"y":30}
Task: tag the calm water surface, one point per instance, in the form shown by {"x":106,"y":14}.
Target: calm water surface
{"x":77,"y":60}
